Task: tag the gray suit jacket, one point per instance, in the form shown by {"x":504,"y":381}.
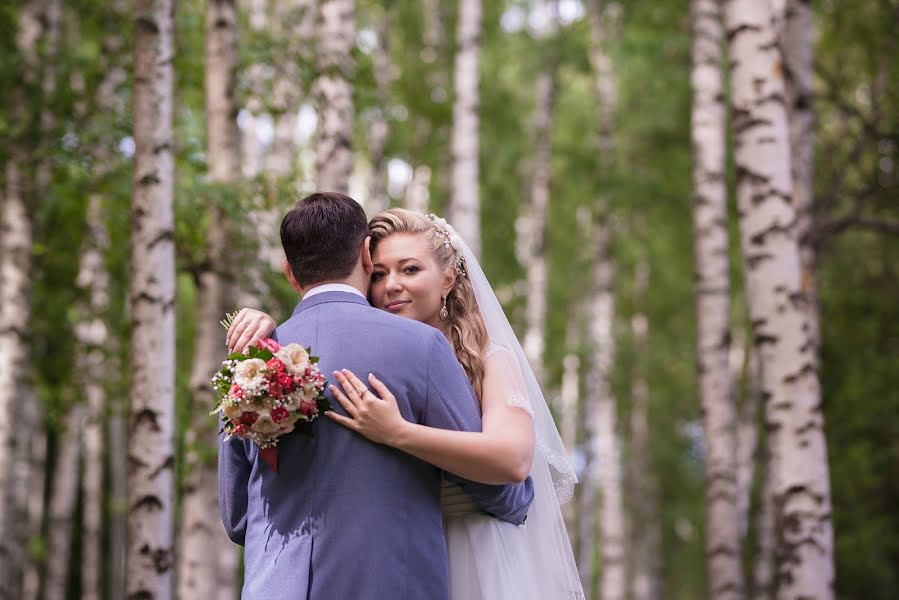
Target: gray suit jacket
{"x":346,"y":518}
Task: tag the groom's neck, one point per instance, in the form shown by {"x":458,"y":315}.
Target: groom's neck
{"x":352,"y":281}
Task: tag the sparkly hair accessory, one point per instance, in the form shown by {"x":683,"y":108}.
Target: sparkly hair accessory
{"x":451,"y":240}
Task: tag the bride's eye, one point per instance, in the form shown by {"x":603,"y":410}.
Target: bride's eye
{"x":411,"y":269}
{"x":377,"y":275}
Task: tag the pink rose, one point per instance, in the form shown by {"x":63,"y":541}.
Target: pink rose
{"x":275,"y":365}
{"x":249,"y":417}
{"x":279,"y":413}
{"x":240,"y":430}
{"x":268,"y":344}
{"x":308,"y":408}
{"x":236,"y":391}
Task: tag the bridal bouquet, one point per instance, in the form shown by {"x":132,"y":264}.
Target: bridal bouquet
{"x":266,"y":392}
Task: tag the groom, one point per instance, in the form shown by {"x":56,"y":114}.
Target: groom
{"x":345,"y":518}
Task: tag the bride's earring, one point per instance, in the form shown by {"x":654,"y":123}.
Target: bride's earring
{"x":444,"y":313}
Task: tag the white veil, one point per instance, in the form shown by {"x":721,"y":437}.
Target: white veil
{"x":552,"y":472}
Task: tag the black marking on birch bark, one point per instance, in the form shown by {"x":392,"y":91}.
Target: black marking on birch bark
{"x":148,"y":180}
{"x":148,"y":415}
{"x":163,"y":147}
{"x":140,"y":595}
{"x":146,"y":24}
{"x":732,"y":33}
{"x":167,"y":464}
{"x":150,"y":502}
{"x":161,"y":557}
{"x":163,"y":236}
{"x":805,"y":370}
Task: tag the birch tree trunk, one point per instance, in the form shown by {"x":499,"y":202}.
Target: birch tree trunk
{"x":418,"y":195}
{"x":646,"y":527}
{"x":604,"y":465}
{"x":62,"y":505}
{"x":712,"y":289}
{"x":781,"y":328}
{"x":198,"y":574}
{"x":535,"y":231}
{"x":15,"y":290}
{"x":335,"y":37}
{"x":91,"y":334}
{"x":464,"y":209}
{"x":797,"y":42}
{"x":608,"y":447}
{"x":379,"y":129}
{"x":151,"y":493}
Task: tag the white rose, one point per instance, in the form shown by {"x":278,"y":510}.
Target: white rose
{"x":294,"y":357}
{"x":248,"y":375}
{"x":264,"y":424}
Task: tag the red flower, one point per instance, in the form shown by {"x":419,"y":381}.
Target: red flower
{"x":268,"y":344}
{"x":249,"y":417}
{"x":284,"y":380}
{"x":279,"y":413}
{"x":240,"y":430}
{"x":236,"y":391}
{"x":275,"y":390}
{"x":275,"y":365}
{"x":308,"y":408}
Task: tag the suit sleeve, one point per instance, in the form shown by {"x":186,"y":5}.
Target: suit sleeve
{"x":234,"y":477}
{"x":451,"y":404}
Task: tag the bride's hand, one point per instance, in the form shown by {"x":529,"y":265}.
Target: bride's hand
{"x":377,"y":418}
{"x":248,"y":327}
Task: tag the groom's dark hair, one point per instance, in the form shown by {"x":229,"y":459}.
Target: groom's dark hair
{"x":322,"y":236}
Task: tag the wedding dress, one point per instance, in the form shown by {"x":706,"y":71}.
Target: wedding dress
{"x":490,"y":559}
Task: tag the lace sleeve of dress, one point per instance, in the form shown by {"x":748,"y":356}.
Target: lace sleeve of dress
{"x":507,"y":368}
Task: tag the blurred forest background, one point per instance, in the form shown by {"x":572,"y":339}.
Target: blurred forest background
{"x":149,"y":152}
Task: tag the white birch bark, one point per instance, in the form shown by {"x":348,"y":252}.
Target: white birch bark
{"x":464,"y":209}
{"x":608,"y":447}
{"x":63,"y":496}
{"x":781,"y":328}
{"x":645,"y":525}
{"x":418,"y":195}
{"x":604,"y":466}
{"x":151,"y":493}
{"x":797,"y":43}
{"x":333,"y":92}
{"x":712,"y":293}
{"x":91,"y":334}
{"x":379,"y":128}
{"x":536,"y":218}
{"x":15,"y":290}
{"x":198,"y":574}
{"x":605,"y":88}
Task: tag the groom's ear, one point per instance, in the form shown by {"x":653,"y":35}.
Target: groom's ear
{"x":288,"y":272}
{"x":365,"y":255}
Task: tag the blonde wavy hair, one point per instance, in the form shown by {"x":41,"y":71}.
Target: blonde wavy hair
{"x":464,"y":326}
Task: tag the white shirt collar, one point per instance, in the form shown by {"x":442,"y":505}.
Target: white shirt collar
{"x":332,"y":287}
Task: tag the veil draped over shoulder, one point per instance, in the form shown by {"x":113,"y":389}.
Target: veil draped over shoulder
{"x":552,"y":472}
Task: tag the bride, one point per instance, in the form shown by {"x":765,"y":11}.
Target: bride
{"x":423,"y":270}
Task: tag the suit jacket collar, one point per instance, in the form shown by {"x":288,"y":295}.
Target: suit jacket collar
{"x":325,"y":297}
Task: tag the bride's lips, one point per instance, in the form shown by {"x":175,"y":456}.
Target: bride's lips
{"x":396,"y":305}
